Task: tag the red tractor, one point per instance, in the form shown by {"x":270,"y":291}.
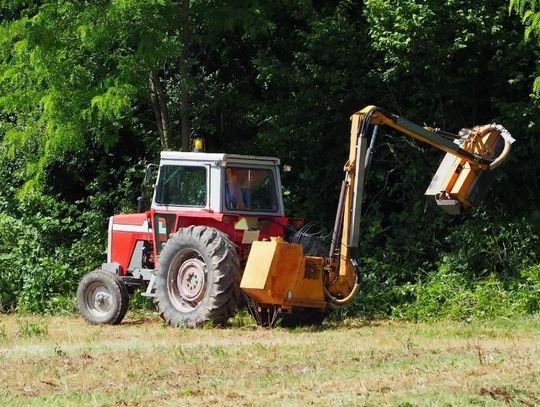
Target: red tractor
{"x":206,"y":211}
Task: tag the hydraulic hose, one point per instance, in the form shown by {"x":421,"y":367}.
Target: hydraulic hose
{"x":340,"y":302}
{"x":335,"y":302}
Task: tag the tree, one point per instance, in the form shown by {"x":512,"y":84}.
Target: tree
{"x":529,"y":10}
{"x":73,"y":72}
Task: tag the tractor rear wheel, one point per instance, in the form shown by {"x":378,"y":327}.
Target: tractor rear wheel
{"x":198,"y":278}
{"x":102,"y":298}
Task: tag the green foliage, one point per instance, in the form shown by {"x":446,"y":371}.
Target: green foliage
{"x":271,"y":78}
{"x":530,"y":15}
{"x":28,"y":329}
{"x":491,"y":271}
{"x":139,"y":302}
{"x":529,"y":10}
{"x":48,"y":243}
{"x":463,"y":75}
{"x":448,"y":294}
{"x":484,"y":247}
{"x":380,"y":290}
{"x":73,"y":70}
{"x":297,"y":88}
{"x":34,"y":269}
{"x":241,"y":319}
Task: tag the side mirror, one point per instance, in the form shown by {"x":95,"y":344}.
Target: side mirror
{"x":149,"y":179}
{"x":150,"y":174}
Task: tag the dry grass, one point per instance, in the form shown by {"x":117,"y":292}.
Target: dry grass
{"x":64,"y":361}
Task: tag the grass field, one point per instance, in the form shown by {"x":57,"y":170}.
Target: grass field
{"x":64,"y":361}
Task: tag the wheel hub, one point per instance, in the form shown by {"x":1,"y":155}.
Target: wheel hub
{"x":100,"y":299}
{"x":191,"y":280}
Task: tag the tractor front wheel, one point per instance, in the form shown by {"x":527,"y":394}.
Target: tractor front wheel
{"x":198,"y":278}
{"x":102,"y":298}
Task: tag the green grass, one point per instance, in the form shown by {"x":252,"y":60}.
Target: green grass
{"x":352,"y":363}
{"x":29,"y":329}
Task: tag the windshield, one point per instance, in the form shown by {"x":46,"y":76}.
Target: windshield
{"x":249,"y":189}
{"x":181,"y":186}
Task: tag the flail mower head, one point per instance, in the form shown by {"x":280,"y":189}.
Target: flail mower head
{"x":459,"y":184}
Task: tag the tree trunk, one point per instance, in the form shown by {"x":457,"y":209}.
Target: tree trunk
{"x":159,"y":103}
{"x":184,"y":96}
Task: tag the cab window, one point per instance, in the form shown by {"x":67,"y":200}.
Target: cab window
{"x":249,"y":189}
{"x":181,"y":186}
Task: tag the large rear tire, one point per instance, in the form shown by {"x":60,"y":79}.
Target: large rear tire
{"x":198,"y":278}
{"x":102,"y":298}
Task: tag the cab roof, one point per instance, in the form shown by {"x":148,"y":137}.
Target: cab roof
{"x":218,"y":158}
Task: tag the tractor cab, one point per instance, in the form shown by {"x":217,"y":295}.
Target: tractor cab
{"x":218,"y":183}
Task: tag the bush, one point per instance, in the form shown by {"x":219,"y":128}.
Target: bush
{"x":380,"y":291}
{"x":479,"y":266}
{"x":528,"y":290}
{"x":450,"y":295}
{"x":44,"y":253}
{"x":31,"y":273}
{"x":488,"y":244}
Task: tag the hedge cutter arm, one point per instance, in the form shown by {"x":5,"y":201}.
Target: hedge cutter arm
{"x":460,"y":182}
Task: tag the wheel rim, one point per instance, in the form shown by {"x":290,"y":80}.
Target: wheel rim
{"x":187,"y":282}
{"x":99,"y":299}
